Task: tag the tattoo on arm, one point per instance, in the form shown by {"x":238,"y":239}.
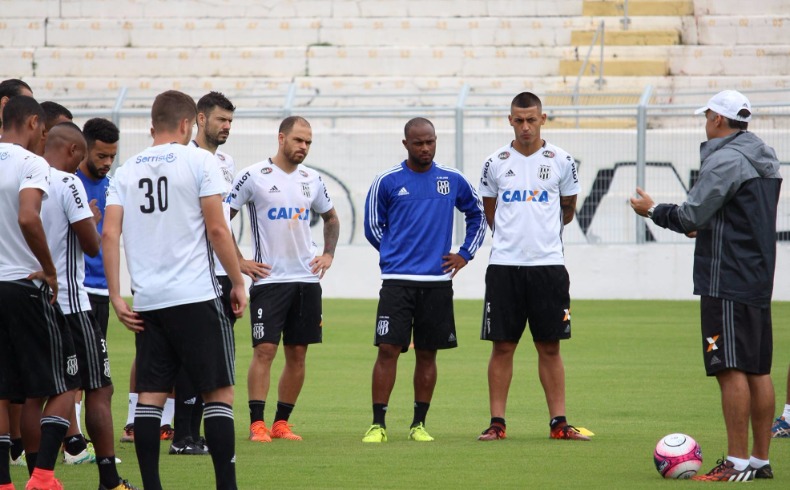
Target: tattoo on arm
{"x":331,"y":231}
{"x":568,"y":206}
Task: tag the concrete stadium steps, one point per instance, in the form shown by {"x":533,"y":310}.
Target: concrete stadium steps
{"x":638,"y":7}
{"x":684,"y":60}
{"x":751,"y":29}
{"x":289,"y":9}
{"x":28,"y":32}
{"x":328,"y":61}
{"x":303,"y":32}
{"x":628,"y":38}
{"x":407,"y":91}
{"x":165,"y":62}
{"x":738,"y":7}
{"x":18,"y":62}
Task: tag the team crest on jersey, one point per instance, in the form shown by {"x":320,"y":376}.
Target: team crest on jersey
{"x":548,"y":154}
{"x":71,"y":365}
{"x":544,"y":172}
{"x":303,"y":173}
{"x":266,"y":170}
{"x":3,"y":155}
{"x":221,"y":157}
{"x":306,"y":189}
{"x":107,"y":368}
{"x":228,"y":176}
{"x":443,"y":187}
{"x":257,"y":330}
{"x":504,"y":155}
{"x":383,"y":326}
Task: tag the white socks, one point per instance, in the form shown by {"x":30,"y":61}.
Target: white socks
{"x":757,"y":463}
{"x":132,"y":408}
{"x":740,"y":464}
{"x":169,"y":411}
{"x":786,"y":413}
{"x":78,"y":413}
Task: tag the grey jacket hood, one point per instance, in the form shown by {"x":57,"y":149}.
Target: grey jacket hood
{"x":761,"y":156}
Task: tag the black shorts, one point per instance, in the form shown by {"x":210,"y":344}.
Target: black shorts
{"x":516,"y":295}
{"x":197,"y":336}
{"x":225,"y":285}
{"x":91,"y":350}
{"x":100,"y":306}
{"x":289,"y":309}
{"x":37,"y":357}
{"x":427,"y":308}
{"x":735,"y":336}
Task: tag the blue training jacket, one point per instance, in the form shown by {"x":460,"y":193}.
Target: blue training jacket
{"x":409,"y":219}
{"x":94,"y":267}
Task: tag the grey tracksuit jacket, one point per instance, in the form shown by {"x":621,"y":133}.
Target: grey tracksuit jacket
{"x":732,"y":207}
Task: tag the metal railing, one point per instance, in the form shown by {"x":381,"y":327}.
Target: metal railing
{"x":654,"y":133}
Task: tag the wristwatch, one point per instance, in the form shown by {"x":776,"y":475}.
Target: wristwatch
{"x":650,"y":212}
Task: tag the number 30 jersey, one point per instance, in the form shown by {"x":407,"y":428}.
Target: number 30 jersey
{"x":164,"y":234}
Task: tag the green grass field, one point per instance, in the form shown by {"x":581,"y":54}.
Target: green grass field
{"x":634,"y":373}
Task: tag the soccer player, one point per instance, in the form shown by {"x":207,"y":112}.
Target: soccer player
{"x":409,"y":219}
{"x":8,"y":89}
{"x":11,"y":88}
{"x":167,"y":202}
{"x":731,"y":210}
{"x":70,"y":225}
{"x":37,"y":358}
{"x":214,"y":119}
{"x":781,"y":427}
{"x":529,"y":189}
{"x":285,"y":299}
{"x":76,"y":448}
{"x":102,"y":137}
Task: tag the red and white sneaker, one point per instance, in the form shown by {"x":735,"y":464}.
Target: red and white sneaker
{"x":725,"y":471}
{"x":568,"y":432}
{"x":494,"y":433}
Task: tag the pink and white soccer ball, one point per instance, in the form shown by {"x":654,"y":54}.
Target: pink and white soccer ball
{"x":677,"y":456}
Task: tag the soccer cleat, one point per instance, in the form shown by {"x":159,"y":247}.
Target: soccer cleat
{"x":764,"y":472}
{"x":259,"y":432}
{"x":419,"y":434}
{"x":376,"y":433}
{"x":567,"y":432}
{"x":187,"y":446}
{"x":494,"y":433}
{"x":37,"y":482}
{"x":128,"y":433}
{"x":20,"y":461}
{"x":166,"y":433}
{"x":725,"y":471}
{"x":780,"y":428}
{"x":282,"y":430}
{"x":87,"y":455}
{"x":122,"y":485}
{"x":201,"y":442}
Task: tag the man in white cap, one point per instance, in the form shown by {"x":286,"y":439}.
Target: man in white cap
{"x":731,"y":211}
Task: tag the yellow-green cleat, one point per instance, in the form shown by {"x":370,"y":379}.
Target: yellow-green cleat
{"x":376,"y":433}
{"x":419,"y":434}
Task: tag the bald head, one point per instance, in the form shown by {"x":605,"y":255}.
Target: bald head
{"x":65,"y":147}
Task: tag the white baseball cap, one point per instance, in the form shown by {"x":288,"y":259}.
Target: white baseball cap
{"x":728,"y":103}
